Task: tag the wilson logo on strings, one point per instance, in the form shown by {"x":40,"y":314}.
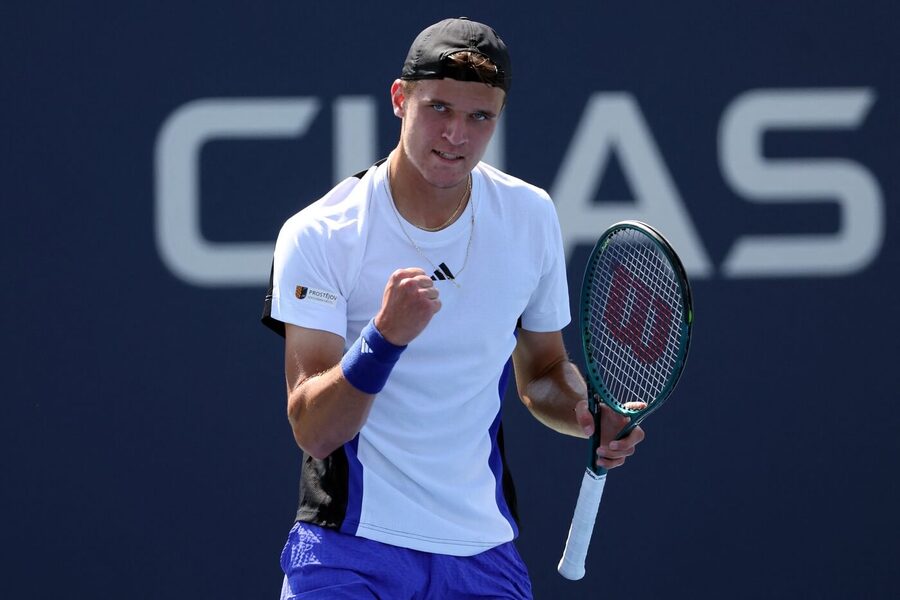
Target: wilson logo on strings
{"x":636,"y":317}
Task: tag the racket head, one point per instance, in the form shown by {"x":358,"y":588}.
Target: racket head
{"x":636,"y":319}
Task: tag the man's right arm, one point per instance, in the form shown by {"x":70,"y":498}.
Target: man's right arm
{"x":323,"y":408}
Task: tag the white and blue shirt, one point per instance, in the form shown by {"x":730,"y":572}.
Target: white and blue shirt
{"x":427,"y":469}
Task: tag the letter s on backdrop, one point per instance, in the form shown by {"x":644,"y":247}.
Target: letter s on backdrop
{"x":849,"y":184}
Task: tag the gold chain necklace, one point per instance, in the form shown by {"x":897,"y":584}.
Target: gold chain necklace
{"x":412,"y":242}
{"x":455,"y":214}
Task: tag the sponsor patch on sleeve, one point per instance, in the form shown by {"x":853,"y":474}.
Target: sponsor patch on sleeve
{"x":304,"y":293}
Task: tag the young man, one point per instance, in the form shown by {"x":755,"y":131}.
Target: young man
{"x":402,"y":295}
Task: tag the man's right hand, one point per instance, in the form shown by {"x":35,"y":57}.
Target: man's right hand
{"x":410,"y":301}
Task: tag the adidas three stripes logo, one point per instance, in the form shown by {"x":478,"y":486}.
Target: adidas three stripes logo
{"x":442,"y":273}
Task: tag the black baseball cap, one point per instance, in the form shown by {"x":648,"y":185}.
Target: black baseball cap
{"x":427,"y":58}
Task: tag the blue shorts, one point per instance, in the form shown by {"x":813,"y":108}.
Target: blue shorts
{"x":325,"y":563}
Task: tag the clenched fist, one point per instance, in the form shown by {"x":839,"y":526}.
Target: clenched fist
{"x":410,"y":300}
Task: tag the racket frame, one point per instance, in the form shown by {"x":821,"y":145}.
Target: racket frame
{"x":597,"y":390}
{"x":572,"y":564}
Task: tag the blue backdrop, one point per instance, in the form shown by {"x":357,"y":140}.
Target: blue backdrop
{"x":151,"y":151}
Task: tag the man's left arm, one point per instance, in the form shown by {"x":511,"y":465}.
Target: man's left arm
{"x":556,"y":394}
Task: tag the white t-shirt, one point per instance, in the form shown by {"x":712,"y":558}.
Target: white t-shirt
{"x":425,"y":471}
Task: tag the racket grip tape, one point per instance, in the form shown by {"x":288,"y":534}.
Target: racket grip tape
{"x":571,"y":565}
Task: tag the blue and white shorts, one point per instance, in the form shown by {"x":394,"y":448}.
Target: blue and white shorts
{"x":324,"y":563}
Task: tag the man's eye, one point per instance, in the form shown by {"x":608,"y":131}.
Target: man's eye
{"x":439,"y":107}
{"x":480,"y":116}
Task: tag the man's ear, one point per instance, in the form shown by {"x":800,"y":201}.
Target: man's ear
{"x":398,"y":99}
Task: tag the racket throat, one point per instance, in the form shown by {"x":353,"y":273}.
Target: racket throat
{"x":595,"y":470}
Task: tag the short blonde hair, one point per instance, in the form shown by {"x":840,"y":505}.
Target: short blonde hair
{"x":480,"y":65}
{"x":477,"y":66}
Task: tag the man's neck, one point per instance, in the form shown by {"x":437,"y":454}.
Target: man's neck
{"x":418,"y":201}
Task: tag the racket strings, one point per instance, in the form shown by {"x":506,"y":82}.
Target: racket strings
{"x":634,"y":320}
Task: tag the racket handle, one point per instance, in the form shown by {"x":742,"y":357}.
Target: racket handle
{"x":571,"y":565}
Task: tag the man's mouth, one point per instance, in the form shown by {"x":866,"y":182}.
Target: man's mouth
{"x":447,"y":155}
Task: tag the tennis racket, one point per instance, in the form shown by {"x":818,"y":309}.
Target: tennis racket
{"x":636,"y":316}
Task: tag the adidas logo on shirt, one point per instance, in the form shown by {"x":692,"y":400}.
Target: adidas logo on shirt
{"x":442,"y":273}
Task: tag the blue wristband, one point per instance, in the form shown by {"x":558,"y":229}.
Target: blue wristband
{"x":369,"y":361}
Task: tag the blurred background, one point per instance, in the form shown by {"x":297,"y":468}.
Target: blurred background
{"x":151,"y":152}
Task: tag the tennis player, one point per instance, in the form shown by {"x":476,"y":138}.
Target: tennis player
{"x":404,"y":295}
